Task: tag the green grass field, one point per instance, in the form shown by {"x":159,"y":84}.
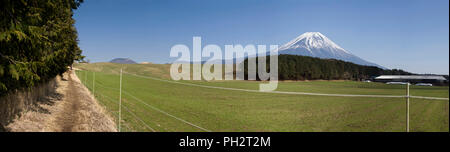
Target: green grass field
{"x":152,"y":105}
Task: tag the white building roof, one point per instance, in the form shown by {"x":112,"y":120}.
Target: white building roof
{"x":422,"y":77}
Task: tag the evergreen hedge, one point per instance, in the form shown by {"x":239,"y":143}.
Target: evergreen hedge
{"x":38,"y":41}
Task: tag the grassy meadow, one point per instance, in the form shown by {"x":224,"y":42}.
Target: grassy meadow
{"x":153,"y":105}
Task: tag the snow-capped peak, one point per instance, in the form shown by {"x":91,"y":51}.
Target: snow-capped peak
{"x":312,"y":40}
{"x":316,"y":44}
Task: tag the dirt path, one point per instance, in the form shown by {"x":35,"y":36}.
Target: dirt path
{"x":68,"y":118}
{"x":71,"y":109}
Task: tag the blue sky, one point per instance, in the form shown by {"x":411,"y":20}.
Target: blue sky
{"x":409,"y":34}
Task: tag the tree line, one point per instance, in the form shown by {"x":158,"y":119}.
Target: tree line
{"x":295,"y":67}
{"x":38,"y":41}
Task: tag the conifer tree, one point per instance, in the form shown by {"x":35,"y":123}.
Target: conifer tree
{"x":38,"y":41}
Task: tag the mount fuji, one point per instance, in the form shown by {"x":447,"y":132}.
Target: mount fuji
{"x":315,"y":44}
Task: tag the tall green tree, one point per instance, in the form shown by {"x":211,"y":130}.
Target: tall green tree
{"x":38,"y":41}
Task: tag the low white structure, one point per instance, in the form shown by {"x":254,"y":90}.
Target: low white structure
{"x":411,"y":78}
{"x":424,"y":84}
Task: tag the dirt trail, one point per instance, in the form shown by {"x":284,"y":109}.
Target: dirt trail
{"x":71,"y":109}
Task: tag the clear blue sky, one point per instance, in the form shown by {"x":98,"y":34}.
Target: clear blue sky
{"x":409,"y":34}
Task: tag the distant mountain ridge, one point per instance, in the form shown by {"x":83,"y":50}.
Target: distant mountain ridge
{"x":315,"y":44}
{"x":312,"y":44}
{"x":123,"y":61}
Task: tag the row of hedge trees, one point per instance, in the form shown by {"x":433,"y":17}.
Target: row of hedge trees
{"x":294,"y":67}
{"x":38,"y":41}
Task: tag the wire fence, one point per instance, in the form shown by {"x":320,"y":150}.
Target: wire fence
{"x":134,"y":115}
{"x":121,"y":106}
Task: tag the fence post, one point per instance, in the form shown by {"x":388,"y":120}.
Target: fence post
{"x":93,"y":84}
{"x":120,"y":98}
{"x":85,"y":77}
{"x":407,"y":107}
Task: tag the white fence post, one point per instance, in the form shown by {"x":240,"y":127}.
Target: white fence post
{"x":85,"y":78}
{"x":120,"y":98}
{"x":407,"y":107}
{"x":93,"y":84}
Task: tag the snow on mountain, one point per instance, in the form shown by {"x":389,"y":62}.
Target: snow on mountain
{"x":315,"y":44}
